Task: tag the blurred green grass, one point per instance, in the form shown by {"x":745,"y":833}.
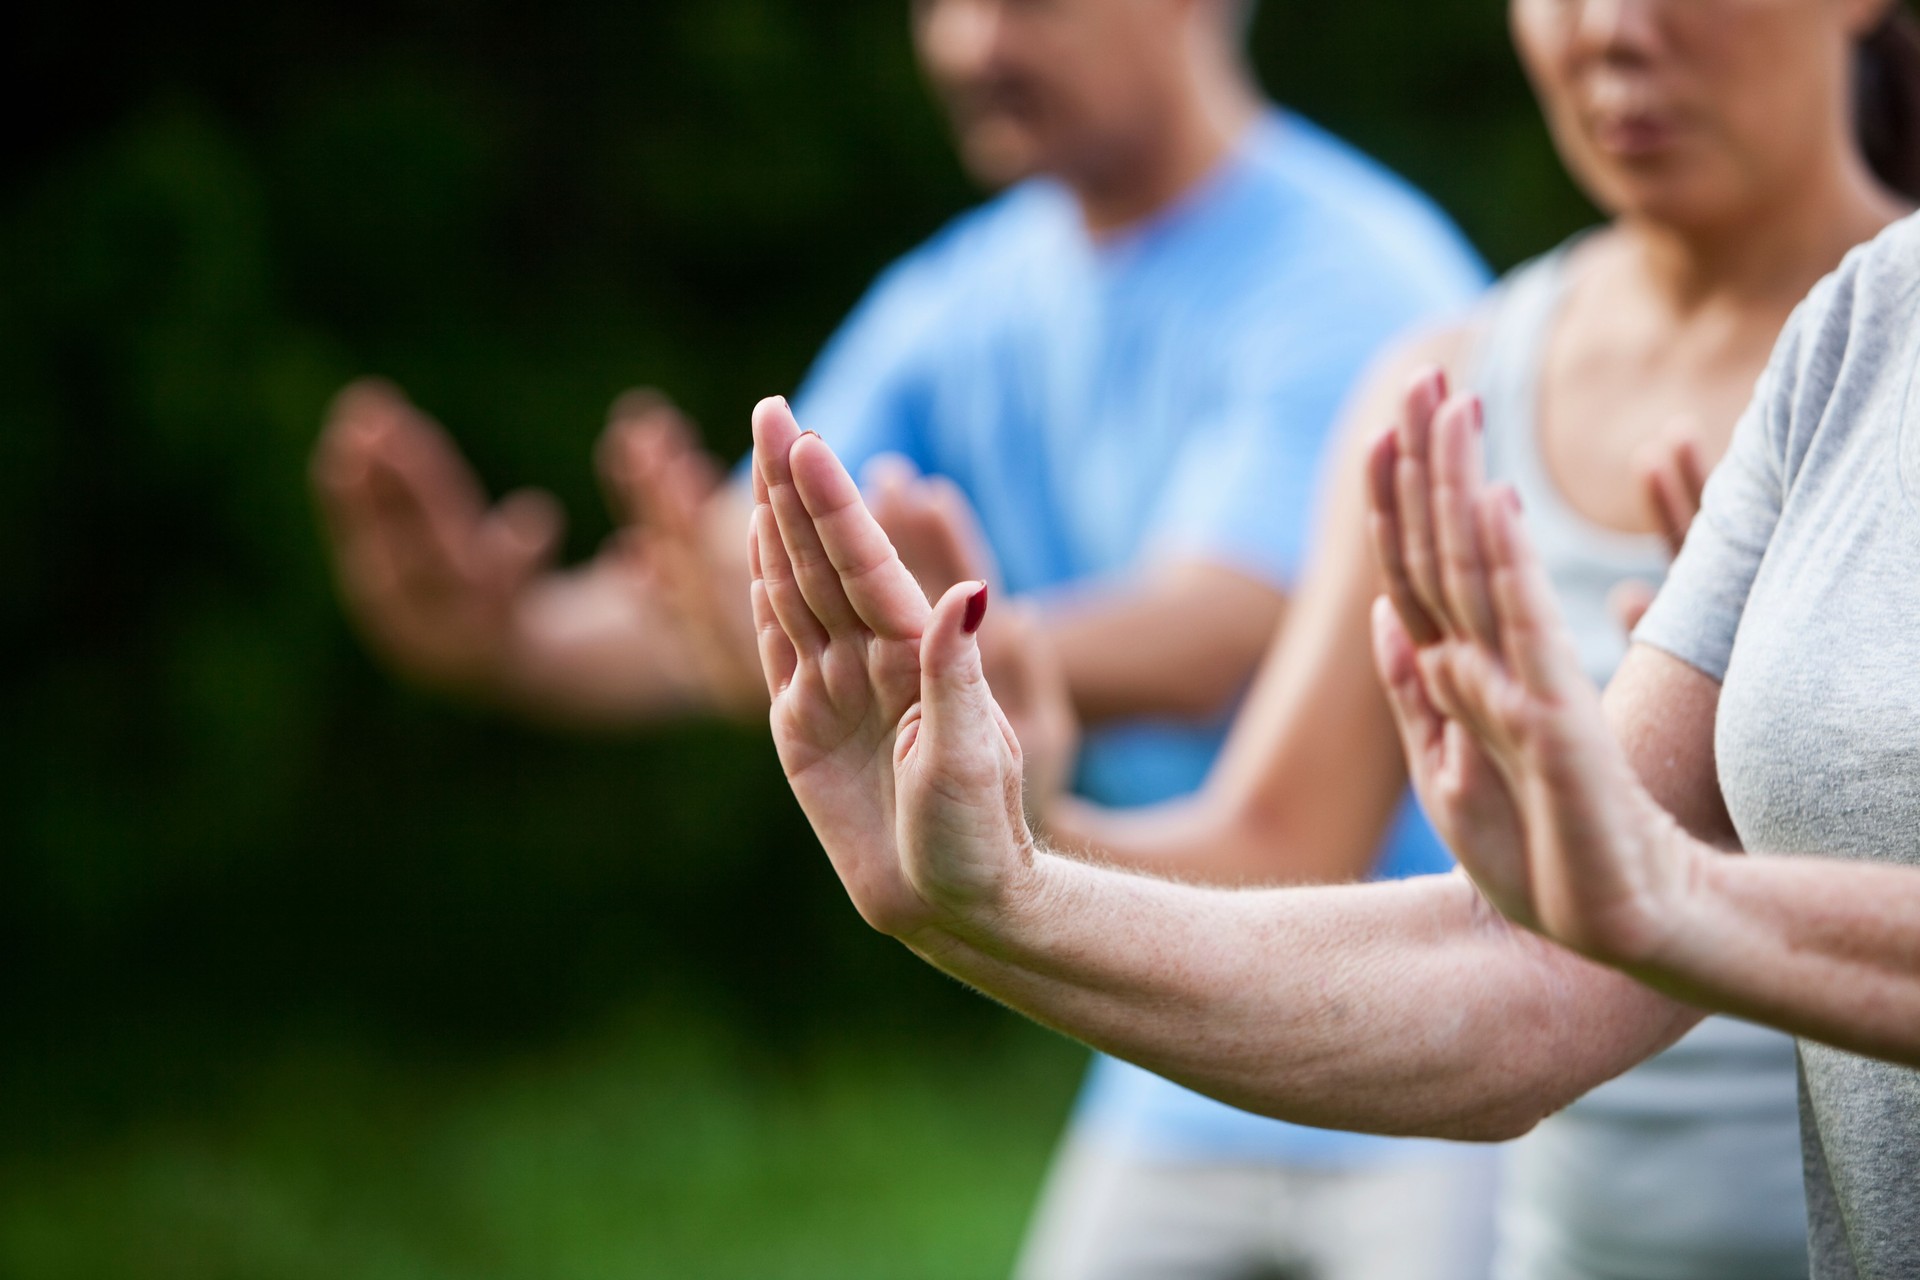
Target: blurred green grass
{"x":660,"y":1146}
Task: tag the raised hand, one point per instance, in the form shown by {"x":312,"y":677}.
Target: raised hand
{"x":1673,"y":475}
{"x":663,"y":486}
{"x":930,"y":524}
{"x":431,"y":574}
{"x":937,"y":535}
{"x":881,"y":713}
{"x":1504,"y":735}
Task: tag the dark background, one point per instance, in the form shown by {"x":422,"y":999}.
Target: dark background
{"x":248,"y":885}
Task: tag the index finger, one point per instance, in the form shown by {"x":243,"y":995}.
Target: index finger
{"x":878,"y":586}
{"x":1385,"y":517}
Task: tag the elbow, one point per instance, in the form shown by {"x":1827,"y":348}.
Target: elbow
{"x":1203,"y":694}
{"x":1492,"y":1125}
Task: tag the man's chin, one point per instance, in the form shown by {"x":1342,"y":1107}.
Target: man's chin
{"x":998,"y":157}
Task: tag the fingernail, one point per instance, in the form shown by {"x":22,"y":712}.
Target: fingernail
{"x":1513,"y":500}
{"x":1479,"y":416}
{"x":976,"y":611}
{"x":814,"y":434}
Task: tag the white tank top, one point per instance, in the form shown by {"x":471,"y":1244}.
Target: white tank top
{"x":1689,"y":1164}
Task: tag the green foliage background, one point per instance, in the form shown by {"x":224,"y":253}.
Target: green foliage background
{"x":269,"y":923}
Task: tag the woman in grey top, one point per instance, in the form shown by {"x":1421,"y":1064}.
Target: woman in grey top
{"x":1771,"y":704}
{"x":1416,"y":1007}
{"x":1587,"y":359}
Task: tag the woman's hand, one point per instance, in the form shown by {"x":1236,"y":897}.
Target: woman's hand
{"x":888,"y":733}
{"x":1504,"y":735}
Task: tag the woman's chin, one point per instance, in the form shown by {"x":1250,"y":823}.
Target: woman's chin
{"x":1672,"y":196}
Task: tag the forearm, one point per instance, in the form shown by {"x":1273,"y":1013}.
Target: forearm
{"x":1815,"y":946}
{"x":1179,"y":641}
{"x":1190,"y":839}
{"x":593,"y":652}
{"x":1407,"y":1008}
{"x":1215,"y":838}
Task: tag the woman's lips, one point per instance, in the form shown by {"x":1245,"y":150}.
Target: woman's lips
{"x":1634,"y":136}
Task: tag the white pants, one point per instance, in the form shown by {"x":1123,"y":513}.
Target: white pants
{"x":1106,"y":1214}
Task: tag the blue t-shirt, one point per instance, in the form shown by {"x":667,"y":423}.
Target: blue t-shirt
{"x":1164,"y":392}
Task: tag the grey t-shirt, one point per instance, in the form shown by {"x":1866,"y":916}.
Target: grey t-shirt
{"x":1799,"y":590}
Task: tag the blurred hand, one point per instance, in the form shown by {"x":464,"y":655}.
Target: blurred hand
{"x":1028,"y":680}
{"x":1504,"y":735}
{"x":937,"y":536}
{"x":885,"y":725}
{"x":1672,"y":477}
{"x":662,"y":486}
{"x":930,"y":523}
{"x":430,"y":573}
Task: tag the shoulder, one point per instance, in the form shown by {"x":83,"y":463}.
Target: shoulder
{"x":985,"y":242}
{"x":1875,"y":282}
{"x":948,"y":282}
{"x":1446,"y":345}
{"x":1852,"y":333}
{"x":1360,"y":216}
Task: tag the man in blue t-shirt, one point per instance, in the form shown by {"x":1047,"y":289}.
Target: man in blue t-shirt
{"x":1128,"y":363}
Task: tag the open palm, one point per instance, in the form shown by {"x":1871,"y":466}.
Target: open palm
{"x":883,"y":720}
{"x":1504,"y":734}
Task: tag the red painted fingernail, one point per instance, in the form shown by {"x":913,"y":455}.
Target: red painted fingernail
{"x":976,"y":611}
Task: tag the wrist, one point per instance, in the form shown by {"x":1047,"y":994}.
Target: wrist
{"x":1064,"y":818}
{"x":1682,"y":900}
{"x":988,"y":916}
{"x":1663,"y":911}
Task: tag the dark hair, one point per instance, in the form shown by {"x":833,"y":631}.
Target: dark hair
{"x":1886,"y":99}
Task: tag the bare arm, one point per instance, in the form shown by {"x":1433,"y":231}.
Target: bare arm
{"x":611,"y":645}
{"x":1610,"y":822}
{"x":1406,"y":1008}
{"x":1402,"y":1008}
{"x":1179,"y":640}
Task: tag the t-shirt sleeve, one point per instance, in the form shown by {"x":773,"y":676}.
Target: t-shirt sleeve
{"x":1243,"y":489}
{"x":1697,"y":613}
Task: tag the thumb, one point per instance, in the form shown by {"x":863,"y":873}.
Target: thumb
{"x":523,"y":534}
{"x":958,"y":717}
{"x":1420,"y":723}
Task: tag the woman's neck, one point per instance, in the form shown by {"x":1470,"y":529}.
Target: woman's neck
{"x":1769,"y":258}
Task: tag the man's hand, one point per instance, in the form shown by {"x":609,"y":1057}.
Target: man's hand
{"x":1504,"y":735}
{"x":663,"y":487}
{"x":431,"y":574}
{"x":937,"y":535}
{"x":881,"y":713}
{"x":931,"y":525}
{"x":466,"y":599}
